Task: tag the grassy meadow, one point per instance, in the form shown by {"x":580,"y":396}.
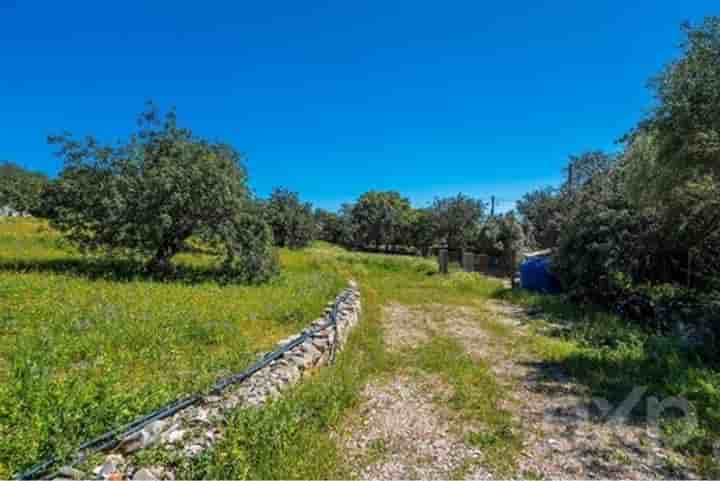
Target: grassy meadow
{"x":89,"y":344}
{"x":295,"y":436}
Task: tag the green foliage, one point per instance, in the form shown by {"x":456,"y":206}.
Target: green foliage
{"x":20,"y":189}
{"x":582,"y":169}
{"x":542,"y":214}
{"x":687,"y":118}
{"x":250,"y":255}
{"x":500,"y":236}
{"x":608,"y":244}
{"x":456,"y":218}
{"x":625,"y":227}
{"x":421,"y":231}
{"x":146,"y":197}
{"x":292,"y":222}
{"x":380,"y":218}
{"x":332,"y":227}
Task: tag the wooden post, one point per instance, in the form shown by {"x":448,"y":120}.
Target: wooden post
{"x":468,"y":261}
{"x":443,"y":260}
{"x":482,"y":263}
{"x":512,"y":260}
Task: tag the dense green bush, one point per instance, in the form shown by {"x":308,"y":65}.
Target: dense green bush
{"x":657,"y":265}
{"x":250,"y":256}
{"x":20,"y":189}
{"x":640,"y":231}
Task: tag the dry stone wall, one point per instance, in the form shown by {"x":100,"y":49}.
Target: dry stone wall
{"x":195,"y":429}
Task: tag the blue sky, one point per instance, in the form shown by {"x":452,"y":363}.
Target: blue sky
{"x":335,"y":98}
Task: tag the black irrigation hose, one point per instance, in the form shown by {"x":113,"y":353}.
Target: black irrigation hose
{"x":111,"y":438}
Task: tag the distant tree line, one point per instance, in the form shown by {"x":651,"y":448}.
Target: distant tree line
{"x":20,"y":189}
{"x":640,"y":229}
{"x":386,"y":221}
{"x":642,"y":223}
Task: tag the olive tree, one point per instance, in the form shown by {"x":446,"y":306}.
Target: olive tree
{"x":332,"y":227}
{"x":292,"y":221}
{"x":145,"y":197}
{"x":456,"y":219}
{"x":379,"y":218}
{"x":421,"y":233}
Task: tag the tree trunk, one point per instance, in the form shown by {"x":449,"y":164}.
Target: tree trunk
{"x":161,"y":264}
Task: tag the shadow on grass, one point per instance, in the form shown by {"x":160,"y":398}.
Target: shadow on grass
{"x":614,"y":359}
{"x":116,"y":270}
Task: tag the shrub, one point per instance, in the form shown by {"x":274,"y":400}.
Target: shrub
{"x":250,"y":255}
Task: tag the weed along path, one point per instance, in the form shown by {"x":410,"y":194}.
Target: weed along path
{"x":470,"y":391}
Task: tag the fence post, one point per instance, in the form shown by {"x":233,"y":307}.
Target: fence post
{"x":482,"y":263}
{"x":443,"y":260}
{"x":513,"y":262}
{"x":468,"y":261}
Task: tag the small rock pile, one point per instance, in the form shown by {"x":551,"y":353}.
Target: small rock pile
{"x":196,"y":428}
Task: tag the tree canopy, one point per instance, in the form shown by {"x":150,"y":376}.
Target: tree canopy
{"x":20,"y":189}
{"x":380,"y":217}
{"x":646,"y":220}
{"x":292,"y":221}
{"x":456,"y":219}
{"x":147,"y":196}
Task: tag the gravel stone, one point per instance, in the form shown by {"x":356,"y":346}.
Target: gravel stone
{"x":145,"y":475}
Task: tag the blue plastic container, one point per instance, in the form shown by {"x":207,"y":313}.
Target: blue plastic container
{"x":535,"y":276}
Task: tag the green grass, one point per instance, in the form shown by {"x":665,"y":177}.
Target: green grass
{"x":476,"y":396}
{"x":612,"y":356}
{"x":88,"y":345}
{"x":292,"y":438}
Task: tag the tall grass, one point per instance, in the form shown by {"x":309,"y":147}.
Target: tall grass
{"x":85,"y":348}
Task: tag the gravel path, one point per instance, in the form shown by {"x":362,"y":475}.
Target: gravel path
{"x":564,"y":436}
{"x":402,"y":431}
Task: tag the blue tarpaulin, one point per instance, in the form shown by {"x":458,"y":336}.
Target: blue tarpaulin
{"x":535,"y":276}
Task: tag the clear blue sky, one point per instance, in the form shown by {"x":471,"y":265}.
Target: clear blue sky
{"x":334,"y":98}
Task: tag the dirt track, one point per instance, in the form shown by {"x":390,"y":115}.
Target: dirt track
{"x":403,"y":429}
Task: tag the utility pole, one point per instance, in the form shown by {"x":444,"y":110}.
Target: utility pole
{"x":570,"y":178}
{"x":492,"y":206}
